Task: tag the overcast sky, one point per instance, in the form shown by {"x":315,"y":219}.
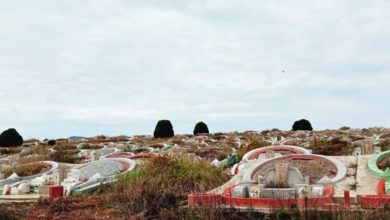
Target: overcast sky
{"x":116,"y":67}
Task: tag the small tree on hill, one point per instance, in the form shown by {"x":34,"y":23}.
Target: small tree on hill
{"x":303,"y":125}
{"x":163,"y":129}
{"x":51,"y":142}
{"x":201,"y":128}
{"x":10,"y":137}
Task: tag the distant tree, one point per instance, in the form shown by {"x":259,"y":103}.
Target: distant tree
{"x":201,"y":128}
{"x":10,"y":138}
{"x":302,"y":124}
{"x":51,"y":142}
{"x":345,"y":128}
{"x":163,"y":129}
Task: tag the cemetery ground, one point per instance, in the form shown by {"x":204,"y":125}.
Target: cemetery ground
{"x":168,"y":170}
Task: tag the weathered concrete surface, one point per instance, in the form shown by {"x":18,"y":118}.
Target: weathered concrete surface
{"x":236,"y":179}
{"x":366,"y":182}
{"x":349,"y":181}
{"x":19,"y":198}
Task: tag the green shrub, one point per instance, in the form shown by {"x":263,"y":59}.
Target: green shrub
{"x":10,"y":138}
{"x":201,"y":128}
{"x":303,"y":125}
{"x":163,"y":129}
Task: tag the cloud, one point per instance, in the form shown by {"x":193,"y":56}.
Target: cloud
{"x":118,"y":66}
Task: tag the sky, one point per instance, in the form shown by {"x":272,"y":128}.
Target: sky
{"x":116,"y":67}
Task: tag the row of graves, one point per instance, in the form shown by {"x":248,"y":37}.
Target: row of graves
{"x":285,"y":176}
{"x":100,"y":167}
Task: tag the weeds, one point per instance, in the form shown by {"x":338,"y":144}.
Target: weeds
{"x":24,"y":169}
{"x":335,"y":147}
{"x":253,"y":144}
{"x":163,"y":184}
{"x":10,"y":150}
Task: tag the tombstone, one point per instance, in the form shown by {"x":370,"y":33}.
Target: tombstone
{"x":59,"y":175}
{"x":281,"y":170}
{"x":368,"y":148}
{"x":284,"y":174}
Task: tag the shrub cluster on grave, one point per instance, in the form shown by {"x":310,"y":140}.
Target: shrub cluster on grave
{"x":10,"y":150}
{"x":302,"y":125}
{"x":65,"y":153}
{"x":251,"y":145}
{"x":24,"y":169}
{"x":335,"y":147}
{"x":163,"y":129}
{"x":10,"y":138}
{"x":201,"y":128}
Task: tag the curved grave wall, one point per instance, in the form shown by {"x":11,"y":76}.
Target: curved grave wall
{"x":53,"y":166}
{"x":107,"y":176}
{"x":373,"y":165}
{"x":251,"y":155}
{"x":339,"y":166}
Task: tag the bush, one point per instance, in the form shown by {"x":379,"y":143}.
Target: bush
{"x":201,"y":128}
{"x":162,"y":184}
{"x":303,"y":125}
{"x":10,"y":138}
{"x":64,"y":156}
{"x":24,"y":169}
{"x":51,"y":142}
{"x":334,"y":147}
{"x":10,"y":150}
{"x":163,"y":129}
{"x":251,"y":145}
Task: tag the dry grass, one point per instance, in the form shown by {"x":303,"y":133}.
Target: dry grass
{"x":251,"y":145}
{"x":335,"y":147}
{"x":64,"y":156}
{"x":10,"y":150}
{"x":65,"y":152}
{"x":90,"y":146}
{"x":32,"y":158}
{"x":39,"y":150}
{"x":162,"y":184}
{"x":24,"y":169}
{"x":65,"y":146}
